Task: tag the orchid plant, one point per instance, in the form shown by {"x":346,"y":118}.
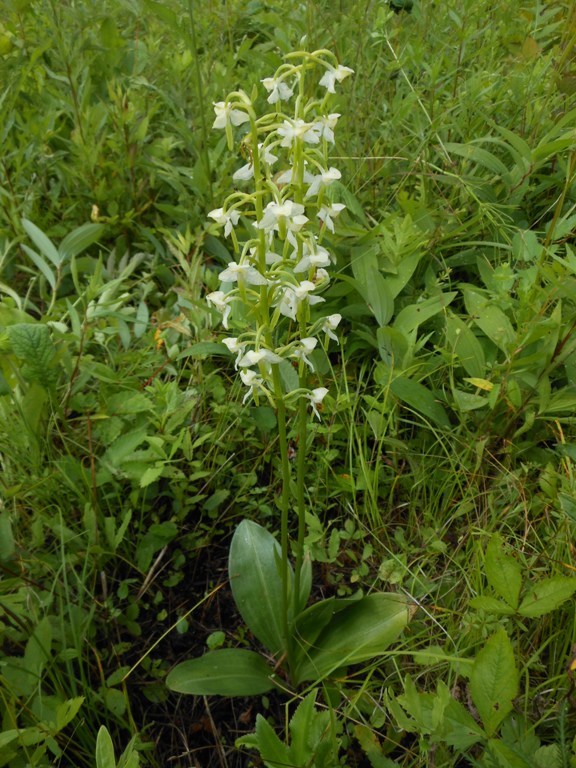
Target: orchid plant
{"x":270,"y":306}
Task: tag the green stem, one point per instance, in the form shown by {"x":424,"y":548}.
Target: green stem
{"x":284,"y":506}
{"x":300,"y":500}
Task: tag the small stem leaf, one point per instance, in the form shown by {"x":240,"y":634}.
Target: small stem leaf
{"x":79,"y":239}
{"x":43,"y":243}
{"x":494,"y":681}
{"x":546,"y":596}
{"x":503,"y":572}
{"x":256,"y":583}
{"x":225,"y":672}
{"x":42,"y":265}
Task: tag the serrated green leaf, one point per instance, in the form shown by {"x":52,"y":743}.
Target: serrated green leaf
{"x":32,"y":343}
{"x":67,"y":711}
{"x":494,"y":681}
{"x":491,"y":605}
{"x":503,"y":572}
{"x":225,"y":672}
{"x":490,"y":319}
{"x":546,"y":596}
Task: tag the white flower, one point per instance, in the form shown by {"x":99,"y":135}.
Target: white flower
{"x":277,"y":89}
{"x":236,"y":347}
{"x":225,"y":114}
{"x":330,"y":324}
{"x":286,"y":177}
{"x":298,"y":129}
{"x":321,"y":277}
{"x":315,"y":397}
{"x":288,"y":213}
{"x":237,"y":272}
{"x":315,"y":257}
{"x":251,"y":380}
{"x":326,"y":125}
{"x":332,"y":76}
{"x":293,"y":297}
{"x":323,"y":179}
{"x":329,"y":212}
{"x":247,"y":171}
{"x":227,"y":220}
{"x":220,"y":301}
{"x":308,"y":345}
{"x":256,"y":356}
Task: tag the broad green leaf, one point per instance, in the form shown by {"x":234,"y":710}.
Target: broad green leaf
{"x":361,"y":631}
{"x":464,"y":344}
{"x":490,"y":319}
{"x":254,"y":565}
{"x":547,"y":595}
{"x":458,"y":728}
{"x":310,"y":623}
{"x":494,"y":681}
{"x":79,"y":239}
{"x":491,"y":605}
{"x":105,"y":757}
{"x":418,"y":397}
{"x":42,"y":242}
{"x":503,"y":572}
{"x":32,"y":343}
{"x":225,"y":672}
{"x":370,"y":283}
{"x":508,"y":757}
{"x":411,"y":317}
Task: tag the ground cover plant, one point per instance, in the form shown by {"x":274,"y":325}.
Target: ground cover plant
{"x":212,"y":481}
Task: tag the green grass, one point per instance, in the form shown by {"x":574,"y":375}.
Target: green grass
{"x":126,"y":457}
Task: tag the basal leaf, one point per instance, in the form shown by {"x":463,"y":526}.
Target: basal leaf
{"x":547,"y":595}
{"x":256,"y":583}
{"x":225,"y":672}
{"x":494,"y":681}
{"x":361,"y":631}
